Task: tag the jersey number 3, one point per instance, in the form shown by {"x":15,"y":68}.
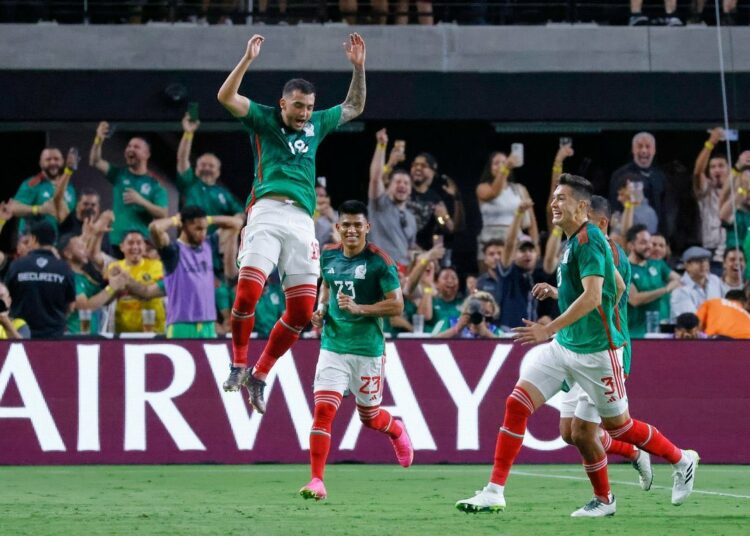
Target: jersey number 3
{"x":349,"y":285}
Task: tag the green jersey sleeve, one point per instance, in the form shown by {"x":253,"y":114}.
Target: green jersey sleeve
{"x":258,"y":116}
{"x":70,"y":197}
{"x":159,"y":196}
{"x":24,"y":194}
{"x":113,"y":173}
{"x":185,"y":180}
{"x":664,"y":270}
{"x":389,"y":280}
{"x":329,"y":119}
{"x":591,"y":257}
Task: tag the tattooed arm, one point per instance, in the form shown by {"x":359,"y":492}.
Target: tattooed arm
{"x":354,"y":104}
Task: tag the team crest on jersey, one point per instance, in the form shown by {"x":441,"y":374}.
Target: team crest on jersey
{"x":41,"y":262}
{"x":360,"y":271}
{"x":222,"y":199}
{"x":309,"y":130}
{"x":145,"y":189}
{"x":275,"y":299}
{"x":653,"y":271}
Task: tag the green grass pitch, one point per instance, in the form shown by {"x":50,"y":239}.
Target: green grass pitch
{"x":363,"y":500}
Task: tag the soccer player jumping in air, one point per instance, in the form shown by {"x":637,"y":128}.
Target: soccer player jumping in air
{"x":280,"y":230}
{"x":360,"y":287}
{"x":587,"y":349}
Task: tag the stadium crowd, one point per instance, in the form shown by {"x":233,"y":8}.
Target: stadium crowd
{"x":79,"y":270}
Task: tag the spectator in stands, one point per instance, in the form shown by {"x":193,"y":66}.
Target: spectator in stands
{"x":490,"y":280}
{"x":10,"y":328}
{"x":636,"y":209}
{"x":499,"y":199}
{"x":421,"y":273}
{"x":479,"y":313}
{"x":129,"y":310}
{"x":435,"y":202}
{"x":517,"y":273}
{"x":652,"y":281}
{"x":687,"y":327}
{"x":641,"y":171}
{"x":660,"y":250}
{"x":138,"y":198}
{"x":88,"y":207}
{"x":470,"y":284}
{"x":325,"y":216}
{"x":393,"y":227}
{"x":35,"y":197}
{"x":741,"y":183}
{"x":441,"y":305}
{"x":698,"y":283}
{"x":637,"y":18}
{"x":726,"y":317}
{"x":91,"y":292}
{"x":728,"y":12}
{"x":42,"y":286}
{"x":732,"y":271}
{"x":198,"y":187}
{"x":349,"y":10}
{"x":263,"y":16}
{"x":710,"y":176}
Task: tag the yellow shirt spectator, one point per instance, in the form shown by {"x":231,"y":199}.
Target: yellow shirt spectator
{"x":19,"y":324}
{"x":129,"y":309}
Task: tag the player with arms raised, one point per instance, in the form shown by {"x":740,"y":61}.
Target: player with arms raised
{"x":280,"y":229}
{"x":587,"y":350}
{"x":360,"y":287}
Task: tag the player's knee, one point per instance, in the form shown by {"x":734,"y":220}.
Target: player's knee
{"x":247,"y":297}
{"x":369,"y":416}
{"x":583,"y":436}
{"x":514,"y":406}
{"x":565,"y":431}
{"x":298,"y":315}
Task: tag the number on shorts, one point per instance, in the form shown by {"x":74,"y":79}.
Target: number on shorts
{"x":609,"y":381}
{"x":314,"y":251}
{"x":349,"y":287}
{"x":370,"y":385}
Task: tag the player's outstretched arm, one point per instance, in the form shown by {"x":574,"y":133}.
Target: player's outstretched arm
{"x":392,"y":305}
{"x":158,"y":230}
{"x":228,"y":94}
{"x":354,"y":104}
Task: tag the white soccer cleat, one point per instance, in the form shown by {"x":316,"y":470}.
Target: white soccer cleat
{"x":486,"y":500}
{"x":596,"y":508}
{"x":684,"y":477}
{"x":642,"y":464}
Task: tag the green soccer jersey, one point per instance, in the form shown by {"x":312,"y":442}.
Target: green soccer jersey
{"x":588,"y":254}
{"x":652,"y":275}
{"x":623,"y":267}
{"x":284,"y":158}
{"x":367,"y":278}
{"x":130,"y":217}
{"x":37,"y":190}
{"x":442,"y":313}
{"x":215,"y":199}
{"x":86,"y":286}
{"x":271,"y":306}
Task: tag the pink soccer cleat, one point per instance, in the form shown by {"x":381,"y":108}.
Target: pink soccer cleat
{"x":315,"y":489}
{"x":403,"y":448}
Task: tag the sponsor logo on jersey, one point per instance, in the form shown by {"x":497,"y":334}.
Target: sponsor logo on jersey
{"x":360,"y":271}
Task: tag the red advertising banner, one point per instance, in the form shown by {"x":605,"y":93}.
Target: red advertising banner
{"x":79,"y":402}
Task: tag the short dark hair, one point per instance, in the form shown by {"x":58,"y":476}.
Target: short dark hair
{"x":494,"y":242}
{"x":64,"y":241}
{"x":601,"y":206}
{"x":582,"y":188}
{"x":400,"y":171}
{"x":687,"y":321}
{"x":43,"y":232}
{"x":144,"y":140}
{"x":432,"y":162}
{"x":444,"y":268}
{"x":736,"y":295}
{"x":720,"y":156}
{"x":730,"y":250}
{"x":133,"y":231}
{"x":191,"y":212}
{"x":298,"y":84}
{"x":353,"y":207}
{"x":89,"y":191}
{"x":634,"y":231}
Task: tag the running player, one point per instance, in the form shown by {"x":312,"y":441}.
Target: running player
{"x":280,"y":229}
{"x":587,"y":350}
{"x":579,"y":420}
{"x":360,"y":287}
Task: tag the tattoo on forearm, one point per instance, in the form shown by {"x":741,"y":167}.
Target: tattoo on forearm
{"x":355,"y":99}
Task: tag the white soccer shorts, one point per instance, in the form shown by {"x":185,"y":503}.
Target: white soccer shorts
{"x":576,"y":403}
{"x":281,"y":234}
{"x":598,"y":374}
{"x":363,"y":376}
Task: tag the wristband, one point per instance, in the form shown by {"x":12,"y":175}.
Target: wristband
{"x":504,"y":170}
{"x":742,"y":191}
{"x":187,"y":135}
{"x":110,"y":290}
{"x":3,"y":222}
{"x":175,"y":221}
{"x":381,"y":146}
{"x":67,"y":171}
{"x":427,"y":290}
{"x":386,"y":168}
{"x":519,"y":212}
{"x":708,"y":145}
{"x":98,"y":140}
{"x":557,"y":168}
{"x":422,"y":262}
{"x":210,"y":219}
{"x":629,"y":204}
{"x":736,"y":172}
{"x":557,"y":231}
{"x":35,"y":210}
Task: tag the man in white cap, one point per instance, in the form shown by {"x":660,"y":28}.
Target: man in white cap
{"x":698,"y":283}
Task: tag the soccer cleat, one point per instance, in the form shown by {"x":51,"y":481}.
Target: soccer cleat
{"x":642,"y":464}
{"x":486,"y":500}
{"x":255,"y":387}
{"x":315,"y":489}
{"x":237,"y":378}
{"x":403,"y":448}
{"x":684,"y":477}
{"x":596,"y":508}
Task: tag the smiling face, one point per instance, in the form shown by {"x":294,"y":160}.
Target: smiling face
{"x":353,"y":229}
{"x":208,"y":169}
{"x":734,"y":264}
{"x":399,"y":189}
{"x":137,"y":152}
{"x":644,"y":150}
{"x":565,"y":207}
{"x":447,"y":284}
{"x":133,"y":247}
{"x":641,"y":246}
{"x":658,"y":247}
{"x":51,"y":162}
{"x":421,"y":172}
{"x":296,"y":109}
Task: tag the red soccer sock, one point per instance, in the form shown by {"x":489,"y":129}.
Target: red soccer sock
{"x":648,"y":438}
{"x":597,"y":473}
{"x":613,"y":446}
{"x":380,"y":420}
{"x":250,"y":287}
{"x":518,"y":409}
{"x":326,"y":405}
{"x":300,"y":301}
